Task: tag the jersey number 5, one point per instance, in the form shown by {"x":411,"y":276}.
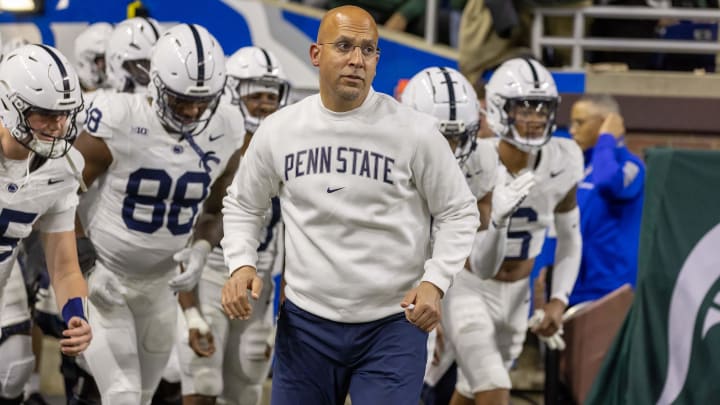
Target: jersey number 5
{"x":163,"y":184}
{"x":8,"y":216}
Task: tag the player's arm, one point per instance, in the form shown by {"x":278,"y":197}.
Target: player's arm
{"x":99,"y":127}
{"x":209,"y":225}
{"x":616,"y":172}
{"x":97,"y":157}
{"x":70,"y":288}
{"x":200,"y":337}
{"x":488,"y":250}
{"x":484,"y":206}
{"x":568,"y":253}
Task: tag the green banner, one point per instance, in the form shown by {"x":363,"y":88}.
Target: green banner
{"x":668,"y":349}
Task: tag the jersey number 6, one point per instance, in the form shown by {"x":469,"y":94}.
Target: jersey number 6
{"x":525,"y":236}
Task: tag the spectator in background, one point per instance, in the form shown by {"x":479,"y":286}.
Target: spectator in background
{"x":493,"y":31}
{"x":456,"y":10}
{"x":610,"y":199}
{"x":395,"y":15}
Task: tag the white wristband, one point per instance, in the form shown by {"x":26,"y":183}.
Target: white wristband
{"x":195,"y":321}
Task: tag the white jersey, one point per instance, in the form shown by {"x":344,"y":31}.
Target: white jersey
{"x":86,"y":208}
{"x":480,"y":168}
{"x":45,"y":200}
{"x":156,"y":182}
{"x":558,"y":168}
{"x":14,"y":301}
{"x":357,"y":190}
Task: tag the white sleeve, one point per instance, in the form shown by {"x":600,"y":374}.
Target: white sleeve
{"x":60,"y":221}
{"x":568,"y":254}
{"x":246,"y":203}
{"x":454,"y":209}
{"x":107,"y":113}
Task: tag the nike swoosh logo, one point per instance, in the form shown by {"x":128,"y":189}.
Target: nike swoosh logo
{"x":215,"y":138}
{"x":332,"y":190}
{"x":555,"y":174}
{"x":54,"y":181}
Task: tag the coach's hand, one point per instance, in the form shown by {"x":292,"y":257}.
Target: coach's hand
{"x":77,"y":337}
{"x":422,"y":306}
{"x":235,"y":300}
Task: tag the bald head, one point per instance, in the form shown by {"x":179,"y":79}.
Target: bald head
{"x":346,"y":53}
{"x":348,"y":17}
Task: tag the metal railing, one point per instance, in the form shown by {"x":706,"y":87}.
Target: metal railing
{"x":579,"y":42}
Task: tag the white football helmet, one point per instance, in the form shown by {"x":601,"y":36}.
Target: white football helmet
{"x":525,"y":85}
{"x":187,"y":67}
{"x":90,"y":55}
{"x":446,"y":94}
{"x":252,"y":70}
{"x":38,"y":78}
{"x":128,"y":54}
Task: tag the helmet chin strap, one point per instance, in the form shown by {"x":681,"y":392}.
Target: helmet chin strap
{"x":251,"y":122}
{"x":532,"y":161}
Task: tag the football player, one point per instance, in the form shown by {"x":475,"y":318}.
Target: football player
{"x":486,"y":313}
{"x":40,"y":98}
{"x":90,"y":56}
{"x":444,"y":93}
{"x":239,"y":361}
{"x":128,"y":54}
{"x":163,"y":159}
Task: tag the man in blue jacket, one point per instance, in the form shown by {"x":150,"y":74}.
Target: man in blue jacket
{"x":610,"y":199}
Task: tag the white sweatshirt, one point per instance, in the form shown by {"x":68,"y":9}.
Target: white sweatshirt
{"x":357,"y":191}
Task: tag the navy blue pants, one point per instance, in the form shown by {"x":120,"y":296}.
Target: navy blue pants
{"x":318,"y":361}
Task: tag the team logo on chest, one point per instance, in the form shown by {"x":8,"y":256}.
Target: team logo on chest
{"x":205,"y":157}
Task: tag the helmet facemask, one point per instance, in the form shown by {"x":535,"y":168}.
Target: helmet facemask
{"x":242,"y":89}
{"x":23,"y":132}
{"x":167,"y":102}
{"x":464,"y":136}
{"x":529,"y":121}
{"x":137,"y":75}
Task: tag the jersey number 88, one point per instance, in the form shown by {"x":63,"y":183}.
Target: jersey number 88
{"x":159,"y":208}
